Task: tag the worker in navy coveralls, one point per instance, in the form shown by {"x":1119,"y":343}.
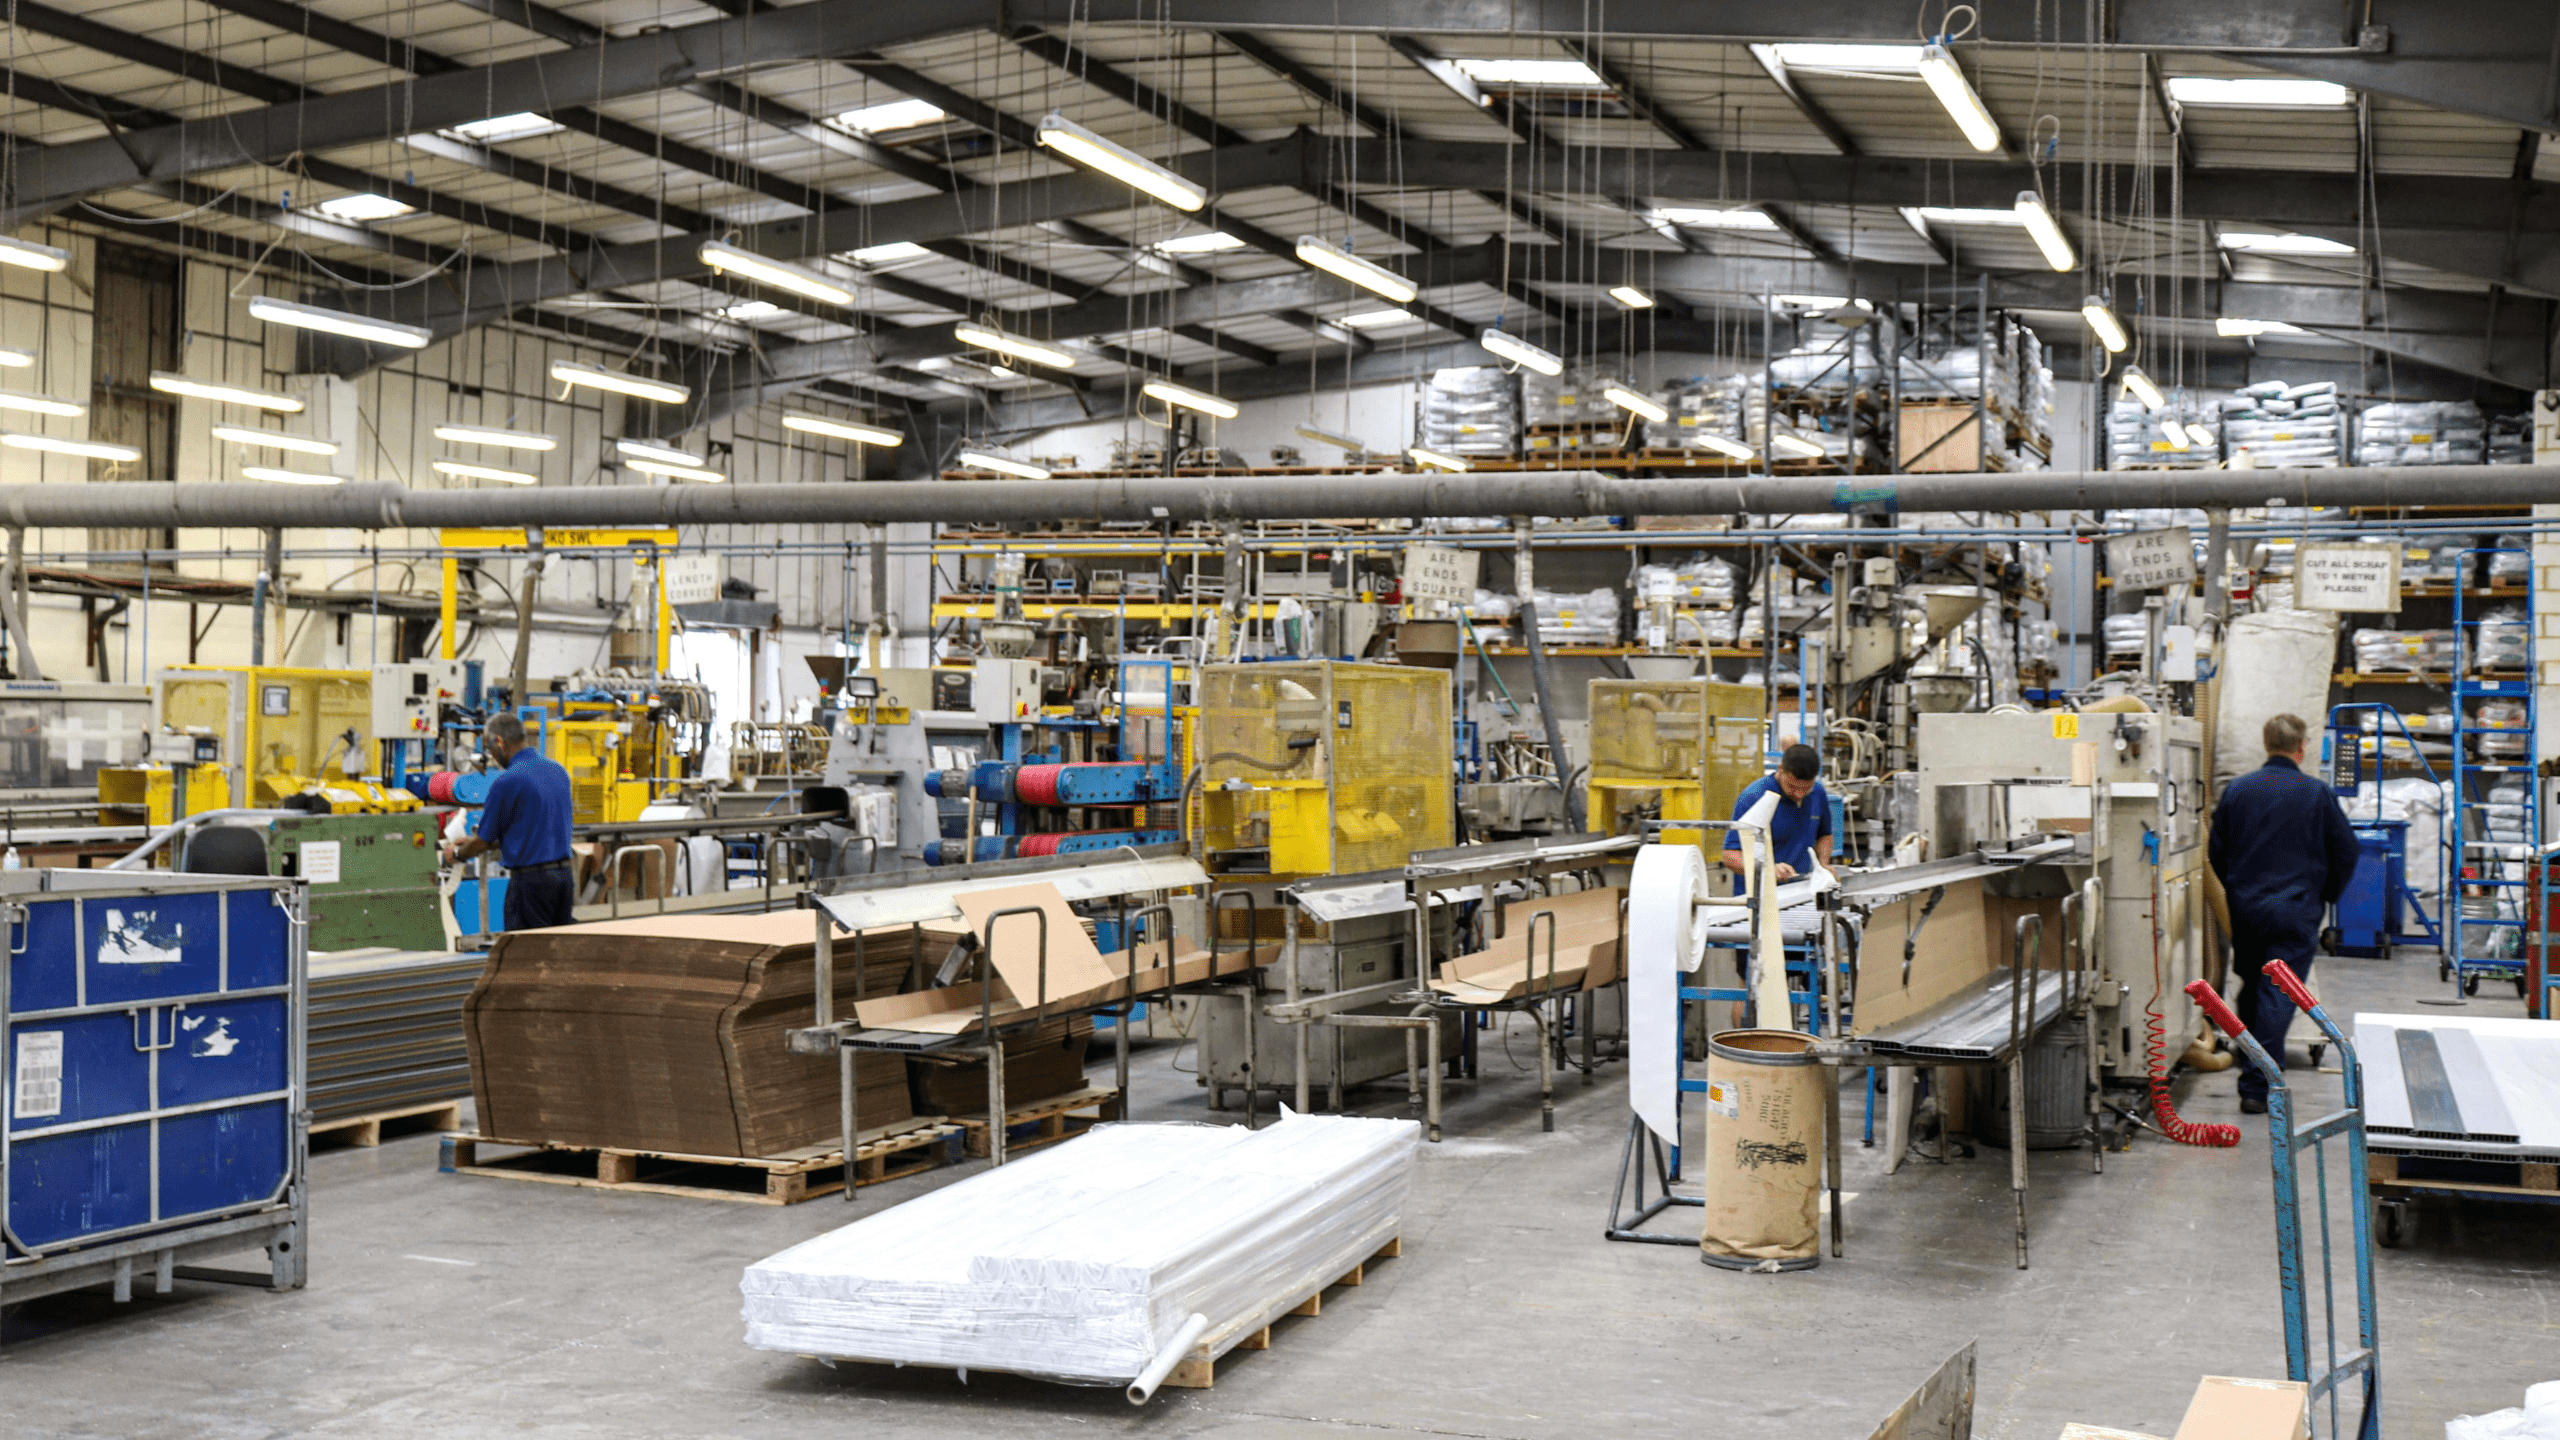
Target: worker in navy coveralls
{"x":1800,"y":828}
{"x":2284,"y":851}
{"x":526,"y":820}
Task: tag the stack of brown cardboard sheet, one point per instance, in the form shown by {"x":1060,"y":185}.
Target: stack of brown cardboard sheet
{"x":666,"y":1033}
{"x":1587,"y":935}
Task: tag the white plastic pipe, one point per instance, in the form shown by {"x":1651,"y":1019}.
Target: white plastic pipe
{"x":1143,"y":1389}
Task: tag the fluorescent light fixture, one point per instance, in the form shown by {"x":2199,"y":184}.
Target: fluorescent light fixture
{"x":981,"y":460}
{"x":1206,"y":243}
{"x":1367,"y":274}
{"x":2204,"y":438}
{"x":1796,"y":445}
{"x":853,"y":430}
{"x":28,"y":255}
{"x":1435,"y":460}
{"x":1726,"y":445}
{"x":596,"y":377}
{"x":676,"y":472}
{"x":340,"y":322}
{"x":462,"y":471}
{"x":275,"y":440}
{"x":1965,"y":215}
{"x":2046,"y":231}
{"x":91,"y":449}
{"x":1946,"y":81}
{"x":2143,"y":390}
{"x":1628,"y":400}
{"x":895,"y":115}
{"x":1631,"y":297}
{"x":170,"y":383}
{"x":2256,"y":327}
{"x":363,"y":206}
{"x":728,"y":259}
{"x":275,"y":476}
{"x":523,"y":125}
{"x":1367,"y":319}
{"x":1520,"y":352}
{"x":987,"y":337}
{"x":746,"y":310}
{"x":1121,"y":163}
{"x":1327,"y":437}
{"x":1872,"y":59}
{"x":893,"y":251}
{"x":2175,"y":433}
{"x":16,"y":359}
{"x":2262,"y":244}
{"x":663,"y":454}
{"x":39,"y":404}
{"x":1571,"y":73}
{"x":1714,"y":219}
{"x":505,"y":439}
{"x":1190,"y":399}
{"x":2102,"y":319}
{"x":2261,"y":92}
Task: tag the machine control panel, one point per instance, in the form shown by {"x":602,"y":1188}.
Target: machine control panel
{"x":409,"y":699}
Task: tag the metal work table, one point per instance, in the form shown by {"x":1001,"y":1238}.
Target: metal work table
{"x":1426,"y":875}
{"x":875,"y":902}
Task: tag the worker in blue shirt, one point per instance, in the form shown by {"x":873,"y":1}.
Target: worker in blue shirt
{"x":2284,"y":851}
{"x":1800,"y":828}
{"x":526,"y":820}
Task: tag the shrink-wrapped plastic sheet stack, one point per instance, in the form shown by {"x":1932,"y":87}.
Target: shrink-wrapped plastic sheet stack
{"x":1473,"y":411}
{"x":1700,"y":582}
{"x":1082,"y":1262}
{"x":2422,"y":432}
{"x":2135,"y":437}
{"x":1586,"y":619}
{"x":2381,"y":652}
{"x":2293,"y":426}
{"x":2509,"y":561}
{"x":2503,"y":640}
{"x":1700,"y":406}
{"x":1831,"y":366}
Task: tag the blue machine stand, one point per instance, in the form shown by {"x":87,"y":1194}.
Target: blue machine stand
{"x":2326,"y":1369}
{"x":152,"y":1028}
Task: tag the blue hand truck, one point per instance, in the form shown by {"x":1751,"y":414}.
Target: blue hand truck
{"x":2288,"y":1142}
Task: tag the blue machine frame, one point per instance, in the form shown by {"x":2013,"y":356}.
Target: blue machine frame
{"x":153,"y":1028}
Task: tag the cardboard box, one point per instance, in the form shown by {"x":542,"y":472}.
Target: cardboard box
{"x":2229,"y":1408}
{"x":2077,"y":1431}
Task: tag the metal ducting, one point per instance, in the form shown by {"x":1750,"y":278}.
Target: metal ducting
{"x":381,"y":505}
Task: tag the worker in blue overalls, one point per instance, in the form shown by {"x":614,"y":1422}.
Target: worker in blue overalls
{"x":2284,"y":851}
{"x":1800,"y":828}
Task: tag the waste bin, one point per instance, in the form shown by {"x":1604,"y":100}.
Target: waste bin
{"x":1764,"y":1149}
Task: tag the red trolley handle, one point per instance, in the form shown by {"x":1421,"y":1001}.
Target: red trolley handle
{"x":2291,"y":984}
{"x":2215,"y":1008}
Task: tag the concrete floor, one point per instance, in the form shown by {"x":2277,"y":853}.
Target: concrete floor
{"x":448,"y":1305}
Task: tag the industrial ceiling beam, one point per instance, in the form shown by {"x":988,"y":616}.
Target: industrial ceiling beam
{"x":609,"y":70}
{"x":1805,"y":106}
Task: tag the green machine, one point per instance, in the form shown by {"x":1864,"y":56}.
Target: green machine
{"x":373,"y":877}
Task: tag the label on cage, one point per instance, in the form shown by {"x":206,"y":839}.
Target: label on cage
{"x":1723,"y":1100}
{"x":37,"y":1088}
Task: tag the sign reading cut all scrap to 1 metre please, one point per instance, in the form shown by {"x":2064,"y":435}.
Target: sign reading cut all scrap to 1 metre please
{"x":2360,"y":579}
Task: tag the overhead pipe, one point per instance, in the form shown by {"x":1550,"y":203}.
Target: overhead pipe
{"x":381,"y":505}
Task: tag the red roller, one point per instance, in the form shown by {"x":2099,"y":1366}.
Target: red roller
{"x":1037,"y":785}
{"x":440,"y":787}
{"x":1037,"y":845}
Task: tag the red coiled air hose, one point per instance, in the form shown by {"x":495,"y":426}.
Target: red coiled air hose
{"x":2155,"y":1054}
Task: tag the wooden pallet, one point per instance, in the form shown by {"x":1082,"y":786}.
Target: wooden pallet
{"x":1043,"y":1122}
{"x":1252,"y":1330}
{"x":366,"y":1130}
{"x":890,"y":1153}
{"x":2534,"y":1180}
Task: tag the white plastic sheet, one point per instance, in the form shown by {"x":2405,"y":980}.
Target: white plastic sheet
{"x":1081,"y":1262}
{"x":1663,"y":943}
